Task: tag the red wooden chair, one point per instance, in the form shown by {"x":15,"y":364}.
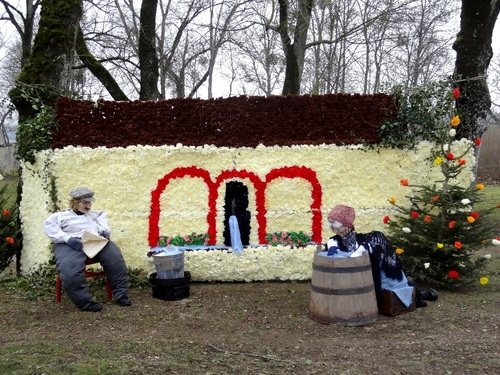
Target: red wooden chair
{"x":88,"y":273}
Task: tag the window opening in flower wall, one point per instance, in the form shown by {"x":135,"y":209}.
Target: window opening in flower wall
{"x":236,"y":203}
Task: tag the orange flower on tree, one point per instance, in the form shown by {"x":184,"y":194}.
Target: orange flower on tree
{"x":439,"y":245}
{"x":427,"y":219}
{"x":470,"y":219}
{"x":9,"y":240}
{"x":480,"y":186}
{"x":455,"y":121}
{"x":453,"y":274}
{"x":456,"y":92}
{"x":403,"y":182}
{"x":462,"y":161}
{"x":451,"y":224}
{"x":392,"y":200}
{"x":434,"y":199}
{"x":6,"y":213}
{"x":399,"y":251}
{"x":458,"y":245}
{"x":477,"y":142}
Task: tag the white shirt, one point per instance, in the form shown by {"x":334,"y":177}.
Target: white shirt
{"x":62,"y":225}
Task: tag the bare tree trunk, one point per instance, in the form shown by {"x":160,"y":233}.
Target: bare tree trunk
{"x":474,"y":53}
{"x":148,"y":58}
{"x":294,"y":51}
{"x":51,"y":57}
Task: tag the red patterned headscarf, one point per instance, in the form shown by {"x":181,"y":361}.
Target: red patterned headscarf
{"x":343,"y":214}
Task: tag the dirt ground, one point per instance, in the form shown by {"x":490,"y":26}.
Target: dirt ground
{"x":246,"y":328}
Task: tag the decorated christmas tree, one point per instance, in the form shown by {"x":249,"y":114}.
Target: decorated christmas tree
{"x":439,"y":234}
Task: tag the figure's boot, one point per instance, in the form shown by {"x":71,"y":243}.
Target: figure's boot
{"x":429,"y":294}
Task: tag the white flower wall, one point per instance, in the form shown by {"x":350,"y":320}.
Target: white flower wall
{"x":123,"y":180}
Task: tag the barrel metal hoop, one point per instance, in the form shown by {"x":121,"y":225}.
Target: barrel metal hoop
{"x":342,"y":292}
{"x":328,"y":269}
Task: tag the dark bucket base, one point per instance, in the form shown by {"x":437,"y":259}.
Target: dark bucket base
{"x":170,"y":289}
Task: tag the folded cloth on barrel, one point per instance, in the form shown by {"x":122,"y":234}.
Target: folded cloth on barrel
{"x":400,"y":288}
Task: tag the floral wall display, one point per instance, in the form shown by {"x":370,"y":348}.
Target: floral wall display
{"x":176,"y":190}
{"x":160,"y":171}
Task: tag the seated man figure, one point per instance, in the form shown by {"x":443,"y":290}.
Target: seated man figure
{"x":65,"y":229}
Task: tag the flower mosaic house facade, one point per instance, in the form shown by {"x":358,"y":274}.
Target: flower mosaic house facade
{"x":193,"y":180}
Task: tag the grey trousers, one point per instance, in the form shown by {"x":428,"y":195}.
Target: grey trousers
{"x":70,"y":264}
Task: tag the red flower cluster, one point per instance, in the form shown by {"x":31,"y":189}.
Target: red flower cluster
{"x":453,"y":274}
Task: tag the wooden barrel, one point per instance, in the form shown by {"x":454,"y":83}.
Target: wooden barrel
{"x":342,"y":291}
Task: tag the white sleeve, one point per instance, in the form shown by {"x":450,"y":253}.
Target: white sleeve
{"x":102,"y":221}
{"x":52,"y":228}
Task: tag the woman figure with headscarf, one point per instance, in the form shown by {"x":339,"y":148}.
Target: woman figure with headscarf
{"x":386,"y":265}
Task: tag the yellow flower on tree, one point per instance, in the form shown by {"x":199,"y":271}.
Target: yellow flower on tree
{"x":455,"y":121}
{"x":439,"y":160}
{"x":440,"y":245}
{"x":483,"y":280}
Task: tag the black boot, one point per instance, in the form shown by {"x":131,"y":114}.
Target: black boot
{"x":429,"y":294}
{"x":418,"y":300}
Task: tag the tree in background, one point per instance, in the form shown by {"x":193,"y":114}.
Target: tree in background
{"x":474,"y":53}
{"x":439,"y":233}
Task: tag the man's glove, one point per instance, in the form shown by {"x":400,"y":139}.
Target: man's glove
{"x":75,"y":243}
{"x":105,"y":234}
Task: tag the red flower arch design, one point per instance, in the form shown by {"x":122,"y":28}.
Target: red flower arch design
{"x":260,"y":186}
